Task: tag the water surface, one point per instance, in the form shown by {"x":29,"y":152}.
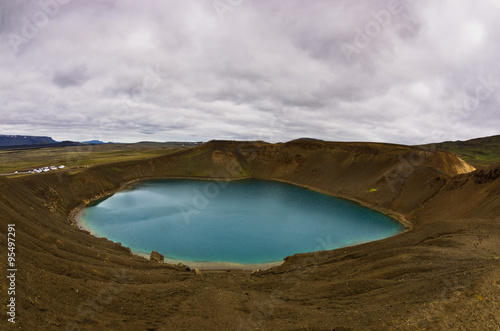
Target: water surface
{"x":246,"y":222}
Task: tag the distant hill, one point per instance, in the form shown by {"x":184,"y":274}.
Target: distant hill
{"x":480,"y":152}
{"x":6,"y":140}
{"x":93,"y":142}
{"x":39,"y":146}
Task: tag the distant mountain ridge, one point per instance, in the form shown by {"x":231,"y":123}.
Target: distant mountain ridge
{"x":16,"y":140}
{"x":94,"y":142}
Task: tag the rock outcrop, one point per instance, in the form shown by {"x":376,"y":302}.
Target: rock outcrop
{"x":155,"y":256}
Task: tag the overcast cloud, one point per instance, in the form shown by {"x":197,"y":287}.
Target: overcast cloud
{"x":124,"y":70}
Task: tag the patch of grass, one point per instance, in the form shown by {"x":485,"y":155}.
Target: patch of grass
{"x":372,"y":190}
{"x":480,"y":152}
{"x":80,"y":156}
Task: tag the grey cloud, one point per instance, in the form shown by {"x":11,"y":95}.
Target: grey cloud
{"x":74,"y":76}
{"x":169,"y":70}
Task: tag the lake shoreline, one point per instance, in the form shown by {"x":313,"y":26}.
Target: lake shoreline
{"x":77,"y":213}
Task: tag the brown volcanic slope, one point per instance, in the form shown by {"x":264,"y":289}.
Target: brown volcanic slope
{"x":442,"y":274}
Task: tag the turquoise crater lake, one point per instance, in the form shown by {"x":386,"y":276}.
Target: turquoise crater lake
{"x":245,"y":221}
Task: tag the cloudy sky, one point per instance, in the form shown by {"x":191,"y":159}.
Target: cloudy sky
{"x":396,"y":71}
